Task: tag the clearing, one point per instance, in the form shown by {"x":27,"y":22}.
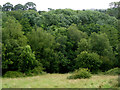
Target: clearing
{"x":60,"y":81}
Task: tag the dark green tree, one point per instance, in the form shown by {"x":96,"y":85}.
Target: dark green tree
{"x":99,"y":43}
{"x":43,"y":44}
{"x":88,"y":60}
{"x":83,"y":45}
{"x":7,"y":7}
{"x":30,"y":6}
{"x":112,"y":34}
{"x":114,"y":9}
{"x":18,"y":15}
{"x":13,"y":38}
{"x":26,"y":27}
{"x":31,"y":15}
{"x":75,"y":34}
{"x":0,"y":8}
{"x":26,"y":59}
{"x":19,"y":7}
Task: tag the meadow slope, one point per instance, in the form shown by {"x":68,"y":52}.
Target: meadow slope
{"x":60,"y":81}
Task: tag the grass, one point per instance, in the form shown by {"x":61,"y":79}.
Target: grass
{"x":60,"y":81}
{"x":0,"y":83}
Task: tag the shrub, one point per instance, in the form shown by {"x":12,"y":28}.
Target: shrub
{"x":36,"y":71}
{"x":80,"y":73}
{"x":88,"y":60}
{"x":13,"y":74}
{"x":114,"y":71}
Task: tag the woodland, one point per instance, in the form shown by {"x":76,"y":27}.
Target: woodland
{"x":59,"y":40}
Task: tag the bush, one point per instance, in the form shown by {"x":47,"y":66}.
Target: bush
{"x":80,"y":73}
{"x":114,"y":71}
{"x":35,"y":71}
{"x":88,"y":60}
{"x":13,"y":74}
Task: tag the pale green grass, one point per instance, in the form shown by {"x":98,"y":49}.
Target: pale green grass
{"x":0,"y":83}
{"x":60,"y":81}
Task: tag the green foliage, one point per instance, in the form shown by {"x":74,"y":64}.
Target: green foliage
{"x":30,"y":6}
{"x":114,"y":71}
{"x":59,"y":40}
{"x":17,"y":55}
{"x":118,"y":54}
{"x":36,"y":71}
{"x":31,"y":15}
{"x":7,"y":7}
{"x":13,"y":38}
{"x":112,"y":34}
{"x":113,"y":12}
{"x":26,"y":27}
{"x":0,"y":8}
{"x":40,"y":39}
{"x":106,"y":63}
{"x":63,"y":63}
{"x":43,"y":44}
{"x":83,"y":45}
{"x":13,"y":74}
{"x":96,"y":17}
{"x":26,"y":59}
{"x":115,"y":9}
{"x":99,"y":43}
{"x":14,"y":31}
{"x":80,"y":73}
{"x":88,"y":60}
{"x":65,"y":17}
{"x":89,"y":28}
{"x":19,"y":7}
{"x":74,"y":34}
{"x":18,"y":15}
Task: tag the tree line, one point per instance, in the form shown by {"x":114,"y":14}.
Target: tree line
{"x":59,"y":41}
{"x":9,"y":7}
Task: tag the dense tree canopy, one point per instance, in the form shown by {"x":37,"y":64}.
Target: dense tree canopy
{"x":60,"y":40}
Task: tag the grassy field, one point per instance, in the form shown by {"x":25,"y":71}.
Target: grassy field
{"x":0,"y":83}
{"x":60,"y":81}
